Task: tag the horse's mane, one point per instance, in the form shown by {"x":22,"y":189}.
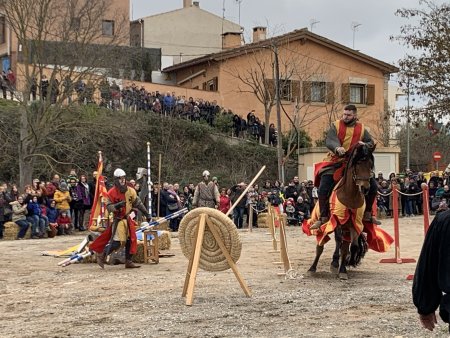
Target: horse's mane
{"x":357,"y":153}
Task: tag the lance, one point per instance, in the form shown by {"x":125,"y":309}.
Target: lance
{"x":78,"y":257}
{"x":149,"y":182}
{"x":241,"y":196}
{"x":80,"y":249}
{"x":164,"y":219}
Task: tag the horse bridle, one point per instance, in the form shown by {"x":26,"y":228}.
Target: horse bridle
{"x":361,"y":178}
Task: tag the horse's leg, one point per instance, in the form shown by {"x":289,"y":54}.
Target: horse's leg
{"x":344,"y":253}
{"x":354,"y":248}
{"x":313,"y":268}
{"x":334,"y":266}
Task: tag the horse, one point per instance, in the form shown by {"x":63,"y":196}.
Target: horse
{"x":347,"y":205}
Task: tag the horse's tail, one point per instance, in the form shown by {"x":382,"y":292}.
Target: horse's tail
{"x":357,"y":251}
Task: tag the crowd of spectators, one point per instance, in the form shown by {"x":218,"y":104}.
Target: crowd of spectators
{"x":132,"y":98}
{"x":410,"y":192}
{"x":52,"y":208}
{"x":58,"y":207}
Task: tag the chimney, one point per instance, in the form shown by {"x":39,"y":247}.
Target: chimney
{"x":187,"y":3}
{"x":231,"y":40}
{"x":196,"y":4}
{"x":259,"y":34}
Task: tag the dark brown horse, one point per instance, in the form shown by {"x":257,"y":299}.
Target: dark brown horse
{"x":347,"y":205}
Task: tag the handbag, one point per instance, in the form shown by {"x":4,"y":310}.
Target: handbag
{"x":172,"y":206}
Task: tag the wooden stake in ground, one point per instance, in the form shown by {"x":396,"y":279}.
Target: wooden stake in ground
{"x":207,"y":223}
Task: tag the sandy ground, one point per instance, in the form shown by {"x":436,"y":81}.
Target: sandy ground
{"x":40,"y":299}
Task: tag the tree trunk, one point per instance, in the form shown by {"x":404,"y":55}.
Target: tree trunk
{"x":26,"y":160}
{"x":267,"y":111}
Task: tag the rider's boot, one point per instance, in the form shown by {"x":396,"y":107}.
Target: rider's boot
{"x":368,"y":217}
{"x":324,"y":212}
{"x":370,"y":200}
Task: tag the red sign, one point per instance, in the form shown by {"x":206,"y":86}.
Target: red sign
{"x":437,"y":156}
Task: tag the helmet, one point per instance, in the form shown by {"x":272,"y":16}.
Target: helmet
{"x":119,"y":173}
{"x":205,"y":173}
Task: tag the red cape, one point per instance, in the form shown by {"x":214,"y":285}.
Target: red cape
{"x":100,"y":242}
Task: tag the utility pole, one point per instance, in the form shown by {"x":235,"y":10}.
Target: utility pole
{"x":277,"y":98}
{"x":407,"y":126}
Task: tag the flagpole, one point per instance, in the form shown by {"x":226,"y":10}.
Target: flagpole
{"x":159,"y":183}
{"x":149,"y":181}
{"x":96,"y":189}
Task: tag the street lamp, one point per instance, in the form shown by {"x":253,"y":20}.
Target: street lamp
{"x":355,"y":25}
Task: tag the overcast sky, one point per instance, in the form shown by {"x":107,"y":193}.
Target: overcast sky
{"x":335,"y":19}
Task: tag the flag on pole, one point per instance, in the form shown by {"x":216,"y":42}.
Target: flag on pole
{"x":100,"y":193}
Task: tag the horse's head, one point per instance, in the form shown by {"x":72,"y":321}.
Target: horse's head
{"x":361,"y":164}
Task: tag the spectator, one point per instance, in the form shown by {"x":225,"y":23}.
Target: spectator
{"x":19,"y":216}
{"x":4,"y":84}
{"x":44,"y":87}
{"x":64,"y":223}
{"x":52,"y":215}
{"x":273,"y":135}
{"x":238,"y":211}
{"x":11,"y":82}
{"x":34,"y":217}
{"x":431,"y":286}
{"x":224,"y":201}
{"x":33,"y":88}
{"x":62,"y":198}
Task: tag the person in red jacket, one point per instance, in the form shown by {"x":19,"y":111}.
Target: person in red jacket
{"x":64,"y":223}
{"x":120,"y":201}
{"x":224,"y":201}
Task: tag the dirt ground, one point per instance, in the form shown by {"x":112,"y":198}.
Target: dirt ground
{"x":41,"y":299}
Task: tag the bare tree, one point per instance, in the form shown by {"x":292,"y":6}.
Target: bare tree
{"x":58,"y":39}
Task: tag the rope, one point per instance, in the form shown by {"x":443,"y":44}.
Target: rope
{"x":400,"y":192}
{"x":405,"y":194}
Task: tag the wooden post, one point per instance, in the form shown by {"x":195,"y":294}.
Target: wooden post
{"x":250,"y":217}
{"x":272,"y":229}
{"x":191,"y":274}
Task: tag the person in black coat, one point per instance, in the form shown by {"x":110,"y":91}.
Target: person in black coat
{"x":431,"y":286}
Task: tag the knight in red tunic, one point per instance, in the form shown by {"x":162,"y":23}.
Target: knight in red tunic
{"x":121,"y":199}
{"x":341,"y":137}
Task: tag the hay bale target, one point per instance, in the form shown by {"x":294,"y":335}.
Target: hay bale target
{"x":211,"y":258}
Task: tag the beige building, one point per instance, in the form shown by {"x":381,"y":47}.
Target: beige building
{"x":111,"y":19}
{"x":317,"y":78}
{"x":184,"y":34}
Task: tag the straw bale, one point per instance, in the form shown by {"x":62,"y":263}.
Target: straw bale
{"x":211,"y":257}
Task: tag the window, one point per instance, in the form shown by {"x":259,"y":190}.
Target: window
{"x":318,"y":91}
{"x":2,"y":29}
{"x":285,"y":90}
{"x":358,"y":93}
{"x":75,"y":24}
{"x":211,"y":85}
{"x":108,"y":27}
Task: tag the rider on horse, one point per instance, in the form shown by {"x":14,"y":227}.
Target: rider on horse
{"x":342,"y":136}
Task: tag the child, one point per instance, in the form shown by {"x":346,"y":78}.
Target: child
{"x":64,"y":223}
{"x":52,"y":215}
